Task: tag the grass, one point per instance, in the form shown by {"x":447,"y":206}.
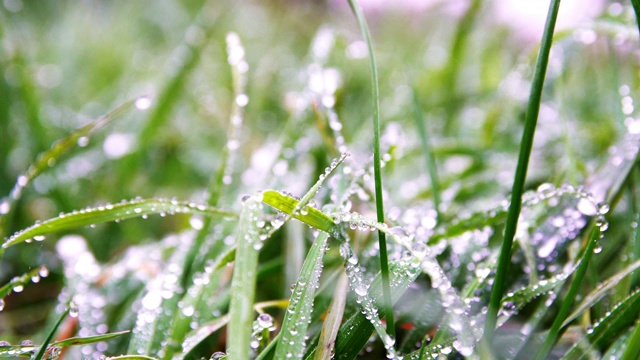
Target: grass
{"x":255,"y":148}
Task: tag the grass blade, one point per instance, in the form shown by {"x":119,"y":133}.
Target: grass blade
{"x":382,"y":241}
{"x":193,"y":339}
{"x":331,"y":324}
{"x":74,"y":341}
{"x":314,"y":217}
{"x":121,"y":211}
{"x":632,"y":350}
{"x":294,"y":327}
{"x":243,"y":283}
{"x":21,"y":281}
{"x":53,"y":155}
{"x":45,"y":345}
{"x":554,"y":332}
{"x":497,"y":292}
{"x":598,"y":293}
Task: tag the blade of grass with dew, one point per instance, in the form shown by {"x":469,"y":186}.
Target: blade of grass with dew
{"x":111,"y":212}
{"x":621,"y":316}
{"x":601,"y":291}
{"x":159,"y":303}
{"x":384,"y":261}
{"x":296,"y":321}
{"x":52,"y":332}
{"x":195,"y":338}
{"x":432,"y":167}
{"x":243,"y":283}
{"x":531,"y":119}
{"x":314,"y":217}
{"x":331,"y":324}
{"x":193,"y":304}
{"x":239,"y":68}
{"x":21,"y":281}
{"x":52,"y":156}
{"x":554,"y":331}
{"x":632,"y":350}
{"x":75,"y":341}
{"x":356,"y":331}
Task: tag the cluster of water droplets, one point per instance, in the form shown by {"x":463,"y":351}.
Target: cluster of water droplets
{"x":360,"y":287}
{"x":17,"y":284}
{"x":262,"y":326}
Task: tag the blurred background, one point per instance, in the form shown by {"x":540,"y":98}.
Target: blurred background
{"x":469,"y":64}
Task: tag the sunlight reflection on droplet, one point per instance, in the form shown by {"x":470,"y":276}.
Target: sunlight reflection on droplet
{"x":143,"y":102}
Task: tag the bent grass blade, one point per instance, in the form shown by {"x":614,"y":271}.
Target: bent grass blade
{"x":121,"y":211}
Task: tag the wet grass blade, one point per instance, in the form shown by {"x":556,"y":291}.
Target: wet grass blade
{"x":531,"y":119}
{"x":291,"y":344}
{"x":74,"y":341}
{"x":121,"y":211}
{"x":194,"y":338}
{"x":313,"y":217}
{"x":632,"y":350}
{"x":554,"y":331}
{"x":243,"y":283}
{"x":601,"y":291}
{"x":45,"y":345}
{"x":382,"y":241}
{"x":50,"y":157}
{"x":21,"y":281}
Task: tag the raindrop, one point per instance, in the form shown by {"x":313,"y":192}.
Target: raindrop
{"x":73,"y":310}
{"x":143,"y":102}
{"x":597,"y":249}
{"x":1,"y":304}
{"x":83,"y":141}
{"x":39,"y":238}
{"x":265,"y":321}
{"x":217,"y":355}
{"x":18,"y":288}
{"x":26,"y":343}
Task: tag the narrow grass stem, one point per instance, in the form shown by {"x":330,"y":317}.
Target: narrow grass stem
{"x":432,"y":168}
{"x":521,"y":172}
{"x":554,"y":332}
{"x":636,"y":10}
{"x":382,"y":241}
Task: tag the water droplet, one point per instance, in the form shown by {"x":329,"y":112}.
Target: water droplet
{"x":143,"y":102}
{"x":73,"y":310}
{"x":603,"y":208}
{"x":218,"y":355}
{"x":265,"y":321}
{"x":83,"y":141}
{"x":188,"y":311}
{"x":18,"y":288}
{"x":361,"y":290}
{"x":2,"y":304}
{"x":39,"y":238}
{"x":597,"y":249}
{"x":26,"y":343}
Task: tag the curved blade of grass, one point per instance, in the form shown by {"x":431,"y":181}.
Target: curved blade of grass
{"x":243,"y":283}
{"x":554,"y":332}
{"x":331,"y":324}
{"x":314,"y":217}
{"x":296,"y":321}
{"x":53,"y":155}
{"x":619,"y":318}
{"x":194,"y":338}
{"x":598,"y":293}
{"x":636,"y":10}
{"x":121,"y":211}
{"x":499,"y":284}
{"x":45,"y":344}
{"x":74,"y":341}
{"x":22,"y":281}
{"x":382,"y":241}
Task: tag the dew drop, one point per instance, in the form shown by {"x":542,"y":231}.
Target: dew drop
{"x":143,"y":102}
{"x":2,"y":304}
{"x":73,"y":310}
{"x":83,"y":141}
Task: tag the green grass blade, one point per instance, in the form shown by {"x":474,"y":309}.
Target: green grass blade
{"x":432,"y":167}
{"x":74,"y":341}
{"x":331,"y":324}
{"x":21,"y":281}
{"x":243,"y":283}
{"x":45,"y":344}
{"x":194,"y":338}
{"x":121,"y":211}
{"x":632,"y":350}
{"x":636,"y":10}
{"x":313,"y":217}
{"x":497,"y":292}
{"x":50,"y":157}
{"x":554,"y":332}
{"x":384,"y":262}
{"x":601,"y":291}
{"x":296,"y":321}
